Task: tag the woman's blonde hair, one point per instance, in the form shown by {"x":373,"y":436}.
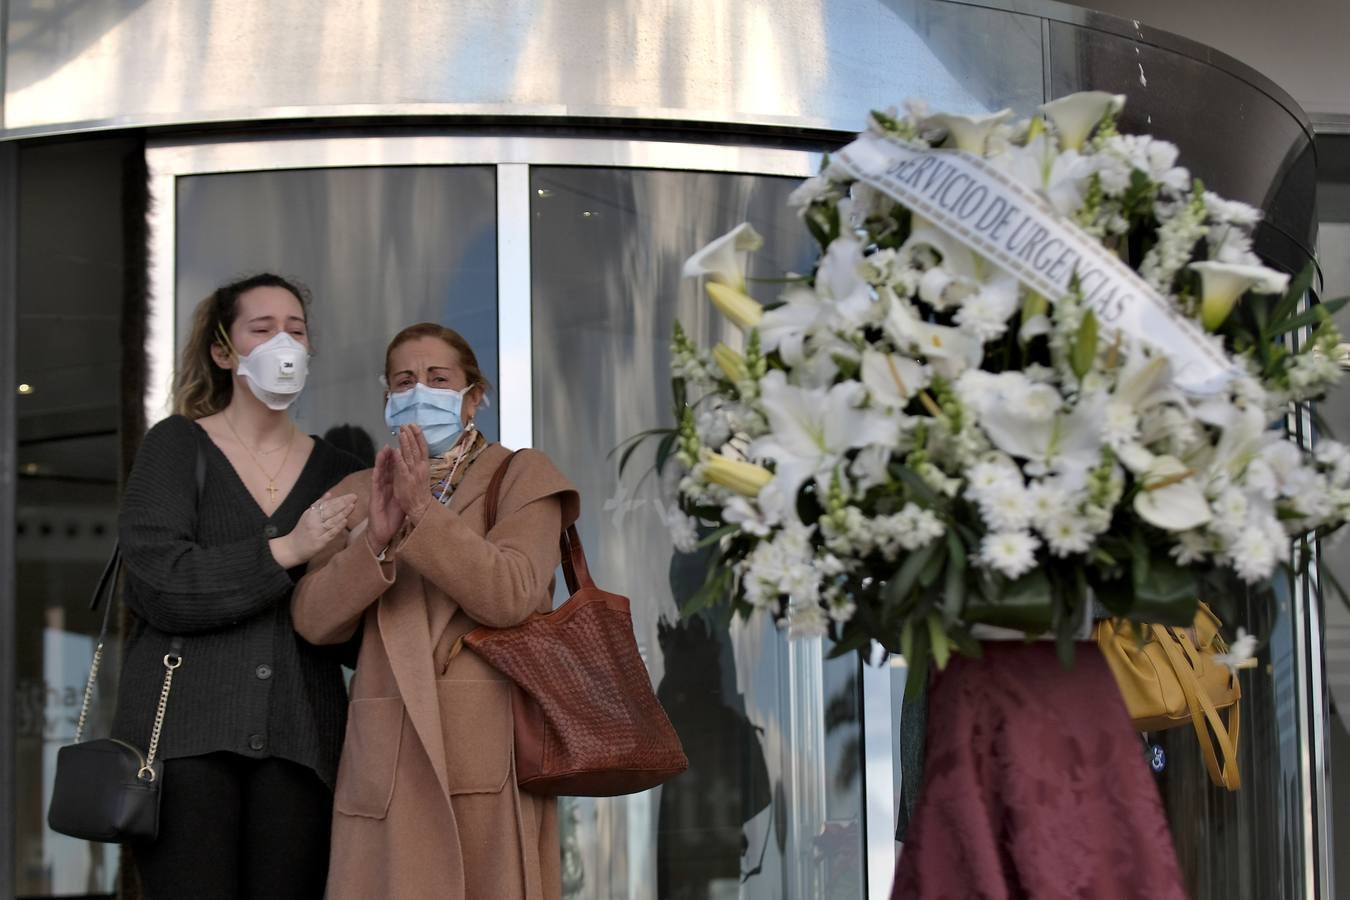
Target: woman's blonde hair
{"x":202,"y":388}
{"x":467,"y":360}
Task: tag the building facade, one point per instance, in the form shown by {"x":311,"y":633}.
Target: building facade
{"x":534,"y":174}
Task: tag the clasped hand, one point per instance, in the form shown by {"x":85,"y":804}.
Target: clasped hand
{"x":400,"y":488}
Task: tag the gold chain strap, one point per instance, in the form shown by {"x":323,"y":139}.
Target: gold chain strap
{"x":171,"y":661}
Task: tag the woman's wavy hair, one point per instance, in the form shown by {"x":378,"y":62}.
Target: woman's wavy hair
{"x":468,"y":361}
{"x":201,"y":388}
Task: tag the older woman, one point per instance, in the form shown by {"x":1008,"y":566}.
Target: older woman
{"x":426,"y":799}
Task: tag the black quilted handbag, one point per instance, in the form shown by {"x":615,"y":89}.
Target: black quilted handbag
{"x":106,"y":789}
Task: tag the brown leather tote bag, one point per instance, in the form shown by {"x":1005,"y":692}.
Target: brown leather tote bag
{"x":587,"y":721}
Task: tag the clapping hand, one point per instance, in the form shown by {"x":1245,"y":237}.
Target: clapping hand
{"x":386,"y":515}
{"x":317,"y":526}
{"x":411,"y":467}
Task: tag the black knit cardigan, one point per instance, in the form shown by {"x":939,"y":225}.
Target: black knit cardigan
{"x":248,"y":683}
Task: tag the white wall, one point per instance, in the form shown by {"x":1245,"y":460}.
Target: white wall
{"x":1302,"y":45}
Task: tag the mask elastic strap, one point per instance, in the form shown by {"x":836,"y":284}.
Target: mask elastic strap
{"x":225,"y":341}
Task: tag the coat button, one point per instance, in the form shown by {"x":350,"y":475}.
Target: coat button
{"x":270,"y":532}
{"x":264,"y":671}
{"x":256,"y":741}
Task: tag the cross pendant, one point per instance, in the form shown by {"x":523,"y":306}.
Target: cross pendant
{"x":271,"y":491}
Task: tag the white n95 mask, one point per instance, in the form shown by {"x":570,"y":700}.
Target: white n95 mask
{"x":276,"y":370}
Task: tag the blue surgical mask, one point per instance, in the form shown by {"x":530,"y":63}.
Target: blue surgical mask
{"x":434,"y":410}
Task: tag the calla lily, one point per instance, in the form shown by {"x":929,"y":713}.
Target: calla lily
{"x":743,"y":311}
{"x":969,"y":133}
{"x":731,"y":363}
{"x":1221,"y":284}
{"x":724,"y":259}
{"x":1077,"y":114}
{"x":1171,"y":498}
{"x":812,"y":428}
{"x":892,"y":379}
{"x":745,"y":478}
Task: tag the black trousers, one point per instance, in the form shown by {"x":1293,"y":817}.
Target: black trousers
{"x":233,"y":827}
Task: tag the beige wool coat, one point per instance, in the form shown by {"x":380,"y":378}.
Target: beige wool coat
{"x":426,"y":804}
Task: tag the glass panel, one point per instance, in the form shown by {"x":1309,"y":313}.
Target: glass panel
{"x":771,"y":805}
{"x":1334,"y":256}
{"x":380,"y":248}
{"x":70,"y":260}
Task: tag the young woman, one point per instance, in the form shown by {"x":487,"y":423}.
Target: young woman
{"x":427,"y":804}
{"x":254,"y":722}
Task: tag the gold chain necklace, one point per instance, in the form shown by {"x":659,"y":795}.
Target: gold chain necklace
{"x":272,"y":478}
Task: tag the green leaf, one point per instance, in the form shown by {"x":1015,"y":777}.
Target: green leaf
{"x":907,"y":640}
{"x":665,"y":449}
{"x":918,"y":668}
{"x":937,"y":637}
{"x":923,"y":493}
{"x":717,"y":535}
{"x":1309,"y":317}
{"x":902,"y":582}
{"x":933,"y":568}
{"x":954,"y":591}
{"x":1085,"y":346}
{"x":636,"y":441}
{"x":1164,"y":592}
{"x":1297,"y":288}
{"x":854,"y":638}
{"x":716,"y":588}
{"x":1025,"y":605}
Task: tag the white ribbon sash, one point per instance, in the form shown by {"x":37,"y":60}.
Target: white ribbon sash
{"x":1011,"y":225}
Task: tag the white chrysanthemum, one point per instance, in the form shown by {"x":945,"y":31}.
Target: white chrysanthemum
{"x":1230,"y":511}
{"x":1231,"y":211}
{"x":985,"y":315}
{"x":990,"y":475}
{"x":1047,"y":501}
{"x":1260,"y":479}
{"x":1120,"y":425}
{"x":1253,"y":555}
{"x":1007,"y":509}
{"x":1011,"y":553}
{"x":1192,"y":547}
{"x":683,"y":530}
{"x":1067,"y":534}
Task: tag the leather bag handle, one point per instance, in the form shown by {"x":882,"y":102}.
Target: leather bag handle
{"x":1203,"y":712}
{"x":576,"y":573}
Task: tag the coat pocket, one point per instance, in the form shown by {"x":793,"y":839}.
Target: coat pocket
{"x":476,"y":727}
{"x":365,"y":781}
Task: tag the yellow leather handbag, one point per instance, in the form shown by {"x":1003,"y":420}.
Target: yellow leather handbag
{"x":1169,"y":677}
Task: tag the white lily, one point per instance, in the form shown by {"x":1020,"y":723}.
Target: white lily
{"x":1221,"y":284}
{"x":1171,"y":498}
{"x":949,"y":350}
{"x":892,"y":379}
{"x":1075,"y":115}
{"x":1059,"y":177}
{"x":1027,"y":420}
{"x":812,"y":428}
{"x":969,"y":133}
{"x":724,"y":259}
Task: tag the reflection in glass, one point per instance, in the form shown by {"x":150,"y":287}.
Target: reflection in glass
{"x":380,"y":248}
{"x":1334,"y":256}
{"x":70,"y":259}
{"x":771,"y":804}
